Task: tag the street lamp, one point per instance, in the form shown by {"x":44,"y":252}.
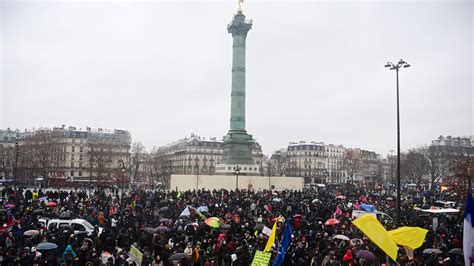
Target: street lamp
{"x":325,"y":174}
{"x":236,"y":173}
{"x":396,"y":67}
{"x":123,"y":169}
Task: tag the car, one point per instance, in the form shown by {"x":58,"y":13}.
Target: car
{"x":80,"y":226}
{"x":381,"y":216}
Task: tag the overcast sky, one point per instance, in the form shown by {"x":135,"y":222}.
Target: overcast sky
{"x":315,"y":70}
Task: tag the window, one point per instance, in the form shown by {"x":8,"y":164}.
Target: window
{"x":61,"y":225}
{"x":80,"y":173}
{"x":80,"y":157}
{"x":80,"y":165}
{"x":72,"y":164}
{"x":73,"y":149}
{"x":72,"y":157}
{"x":81,"y":149}
{"x":72,"y":173}
{"x":52,"y":226}
{"x":78,"y":227}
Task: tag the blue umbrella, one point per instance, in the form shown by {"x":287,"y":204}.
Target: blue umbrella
{"x":46,"y":246}
{"x":368,"y":208}
{"x":203,"y":209}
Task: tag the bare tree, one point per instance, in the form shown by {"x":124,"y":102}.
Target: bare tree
{"x":7,"y":160}
{"x":43,"y":153}
{"x":415,"y":165}
{"x":138,"y":154}
{"x":100,"y":160}
{"x":352,"y":163}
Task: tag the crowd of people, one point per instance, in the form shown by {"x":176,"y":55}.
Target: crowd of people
{"x":168,"y":228}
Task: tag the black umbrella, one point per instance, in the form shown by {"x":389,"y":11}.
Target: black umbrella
{"x":165,"y":220}
{"x":456,"y":251}
{"x":164,"y":202}
{"x":164,"y":209}
{"x":432,"y":250}
{"x":38,"y":211}
{"x":178,"y":256}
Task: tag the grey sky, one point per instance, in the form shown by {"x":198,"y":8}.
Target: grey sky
{"x":314,"y":69}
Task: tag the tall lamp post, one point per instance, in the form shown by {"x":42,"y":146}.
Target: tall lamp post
{"x":325,"y":174}
{"x":396,"y":67}
{"x":236,"y":173}
{"x":123,"y":169}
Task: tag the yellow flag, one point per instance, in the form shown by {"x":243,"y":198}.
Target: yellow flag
{"x":375,"y":231}
{"x":412,"y":237}
{"x":271,"y":239}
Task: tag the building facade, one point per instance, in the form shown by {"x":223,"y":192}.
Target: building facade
{"x":195,"y":155}
{"x":59,"y":155}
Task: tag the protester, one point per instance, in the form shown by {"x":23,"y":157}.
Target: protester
{"x":168,"y":228}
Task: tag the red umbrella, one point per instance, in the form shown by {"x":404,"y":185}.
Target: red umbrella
{"x":51,"y":204}
{"x":332,"y":221}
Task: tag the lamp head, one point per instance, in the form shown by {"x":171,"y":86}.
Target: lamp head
{"x":388,"y":65}
{"x":407,"y":65}
{"x":401,"y":62}
{"x":393,"y":67}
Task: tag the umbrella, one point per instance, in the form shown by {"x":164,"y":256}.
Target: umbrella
{"x":31,"y":233}
{"x":164,"y":209}
{"x":367,"y":207}
{"x":65,"y":215}
{"x":39,"y":211}
{"x":163,"y":228}
{"x":365,"y":254}
{"x":355,"y":241}
{"x":213,"y":222}
{"x":340,"y":197}
{"x":203,"y":209}
{"x":297,"y":216}
{"x":51,"y":204}
{"x":225,"y":226}
{"x":10,"y":206}
{"x":164,"y":201}
{"x":46,"y":246}
{"x":150,"y":230}
{"x":315,"y":200}
{"x":277,"y":200}
{"x":342,"y":237}
{"x":165,"y":220}
{"x":456,"y":251}
{"x":432,"y":250}
{"x":178,"y":256}
{"x":258,"y":227}
{"x":389,"y":198}
{"x":332,"y":221}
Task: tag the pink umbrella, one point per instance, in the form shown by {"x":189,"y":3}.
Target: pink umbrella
{"x":51,"y":204}
{"x":10,"y":206}
{"x":332,"y":221}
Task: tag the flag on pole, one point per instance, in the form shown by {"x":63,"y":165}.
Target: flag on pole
{"x":410,"y":237}
{"x":338,"y":211}
{"x":468,"y":230}
{"x":375,"y":231}
{"x":285,"y":243}
{"x":271,"y":239}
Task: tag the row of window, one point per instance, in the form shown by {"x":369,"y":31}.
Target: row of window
{"x":79,"y":173}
